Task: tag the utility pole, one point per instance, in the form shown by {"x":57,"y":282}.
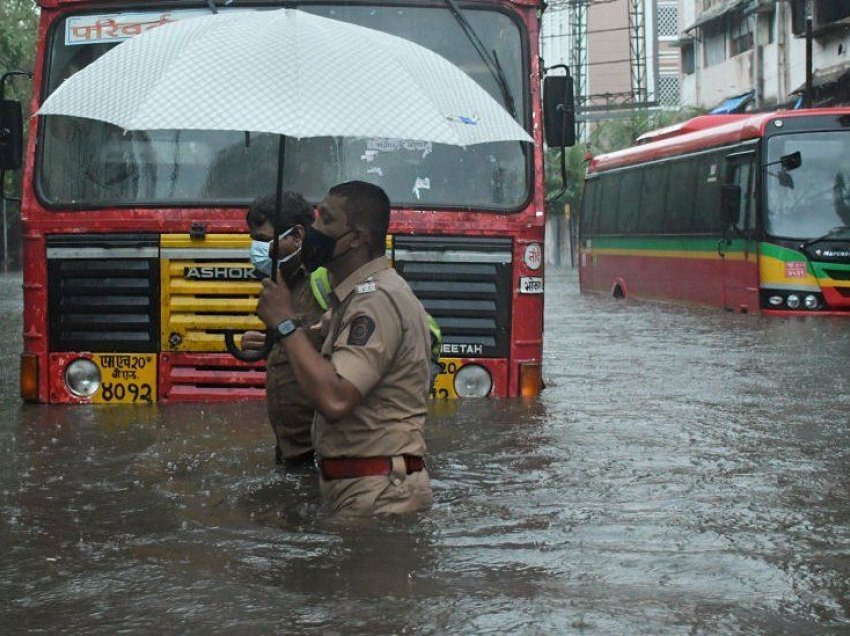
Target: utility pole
{"x":807,"y":99}
{"x":637,"y":51}
{"x":578,"y":59}
{"x":758,"y":65}
{"x":5,"y":226}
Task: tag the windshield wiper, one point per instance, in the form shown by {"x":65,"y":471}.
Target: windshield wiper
{"x":836,"y":230}
{"x":490,"y":61}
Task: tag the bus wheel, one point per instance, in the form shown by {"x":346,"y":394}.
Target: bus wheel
{"x":618,"y":292}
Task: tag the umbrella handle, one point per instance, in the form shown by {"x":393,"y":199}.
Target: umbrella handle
{"x":248,"y":356}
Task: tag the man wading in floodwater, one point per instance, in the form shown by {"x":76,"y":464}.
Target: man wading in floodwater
{"x":290,"y":413}
{"x":369,"y":385}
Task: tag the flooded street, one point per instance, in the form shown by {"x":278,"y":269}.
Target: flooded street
{"x":686,"y":471}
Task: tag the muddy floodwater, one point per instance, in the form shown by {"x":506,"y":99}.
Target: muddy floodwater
{"x":686,"y":471}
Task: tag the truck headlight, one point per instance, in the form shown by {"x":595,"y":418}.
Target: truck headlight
{"x":82,"y":377}
{"x":473,"y":380}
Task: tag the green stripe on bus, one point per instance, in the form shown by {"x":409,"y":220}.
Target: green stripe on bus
{"x":672,"y":246}
{"x":780,"y":253}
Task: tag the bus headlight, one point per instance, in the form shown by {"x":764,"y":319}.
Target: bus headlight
{"x":82,"y":377}
{"x":473,"y":380}
{"x":793,"y":301}
{"x":811,"y":301}
{"x":776,"y":301}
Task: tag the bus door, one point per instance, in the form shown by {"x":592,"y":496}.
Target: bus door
{"x":738,"y":246}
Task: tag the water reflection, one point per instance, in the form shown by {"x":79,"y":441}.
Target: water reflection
{"x":685,"y":471}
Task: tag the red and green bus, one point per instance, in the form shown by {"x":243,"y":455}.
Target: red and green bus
{"x":135,"y":252}
{"x":746,"y":212}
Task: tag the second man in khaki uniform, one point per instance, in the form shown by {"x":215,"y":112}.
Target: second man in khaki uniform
{"x":290,"y":413}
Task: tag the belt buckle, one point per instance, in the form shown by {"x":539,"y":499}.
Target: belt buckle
{"x":398,"y":470}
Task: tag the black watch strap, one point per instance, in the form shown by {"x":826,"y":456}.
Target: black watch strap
{"x":288,"y":327}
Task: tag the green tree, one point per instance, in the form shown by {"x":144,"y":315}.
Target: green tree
{"x":18,"y":35}
{"x":616,"y":135}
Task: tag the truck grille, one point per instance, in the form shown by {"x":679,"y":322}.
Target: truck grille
{"x":209,"y":377}
{"x":102,"y":292}
{"x":465,"y":284}
{"x":208,"y":288}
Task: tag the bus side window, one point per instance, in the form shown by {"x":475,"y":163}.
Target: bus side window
{"x":629,"y":204}
{"x":710,"y":176}
{"x":607,"y":219}
{"x":589,"y":209}
{"x":596,"y":202}
{"x":651,"y":220}
{"x":740,"y":173}
{"x":679,"y":205}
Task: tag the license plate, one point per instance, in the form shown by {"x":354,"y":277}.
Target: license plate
{"x":125,"y":378}
{"x":530,"y":285}
{"x":444,"y":383}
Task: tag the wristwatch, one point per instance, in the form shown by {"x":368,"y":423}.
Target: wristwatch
{"x":288,"y":326}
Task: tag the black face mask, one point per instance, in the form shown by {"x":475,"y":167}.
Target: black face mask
{"x":317,"y":249}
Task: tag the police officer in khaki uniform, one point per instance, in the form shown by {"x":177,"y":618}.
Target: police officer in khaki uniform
{"x":369,"y":385}
{"x":290,"y":413}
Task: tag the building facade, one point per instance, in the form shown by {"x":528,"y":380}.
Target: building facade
{"x":623,"y":53}
{"x":632,"y":52}
{"x":741,"y":55}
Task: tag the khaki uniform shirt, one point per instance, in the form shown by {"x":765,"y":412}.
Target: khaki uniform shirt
{"x":379,"y":341}
{"x":290,"y":414}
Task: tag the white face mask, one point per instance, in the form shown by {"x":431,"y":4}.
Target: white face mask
{"x":260,"y":258}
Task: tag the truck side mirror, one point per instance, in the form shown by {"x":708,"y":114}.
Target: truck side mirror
{"x":730,"y":204}
{"x":11,"y":135}
{"x":559,"y":116}
{"x":791,"y":161}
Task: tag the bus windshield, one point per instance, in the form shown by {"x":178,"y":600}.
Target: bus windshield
{"x":809,"y":201}
{"x":85,"y":163}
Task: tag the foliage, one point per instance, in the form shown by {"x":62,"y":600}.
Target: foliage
{"x":18,"y":35}
{"x":576,"y":166}
{"x":616,"y":135}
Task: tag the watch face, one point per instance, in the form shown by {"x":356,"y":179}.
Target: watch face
{"x":287,"y":327}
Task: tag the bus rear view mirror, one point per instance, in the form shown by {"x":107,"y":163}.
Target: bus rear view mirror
{"x":791,"y":161}
{"x":559,"y":119}
{"x":11,"y":135}
{"x":730,"y":205}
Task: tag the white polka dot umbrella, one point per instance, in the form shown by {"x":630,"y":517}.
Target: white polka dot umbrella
{"x":286,"y":72}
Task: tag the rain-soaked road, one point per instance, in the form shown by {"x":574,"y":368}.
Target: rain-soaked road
{"x":687,"y":471}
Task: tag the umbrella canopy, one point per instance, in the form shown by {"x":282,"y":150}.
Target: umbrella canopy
{"x":286,"y":72}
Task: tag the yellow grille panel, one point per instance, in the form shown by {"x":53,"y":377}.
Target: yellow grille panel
{"x":207,"y":288}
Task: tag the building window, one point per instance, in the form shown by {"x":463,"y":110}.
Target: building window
{"x":740,"y":32}
{"x":668,"y":90}
{"x":827,"y":11}
{"x":668,"y":21}
{"x":688,"y":58}
{"x":714,"y":42}
{"x":771,"y":26}
{"x":798,"y":17}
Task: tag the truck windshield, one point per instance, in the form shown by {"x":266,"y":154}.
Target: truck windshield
{"x":809,"y":201}
{"x":85,"y":163}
